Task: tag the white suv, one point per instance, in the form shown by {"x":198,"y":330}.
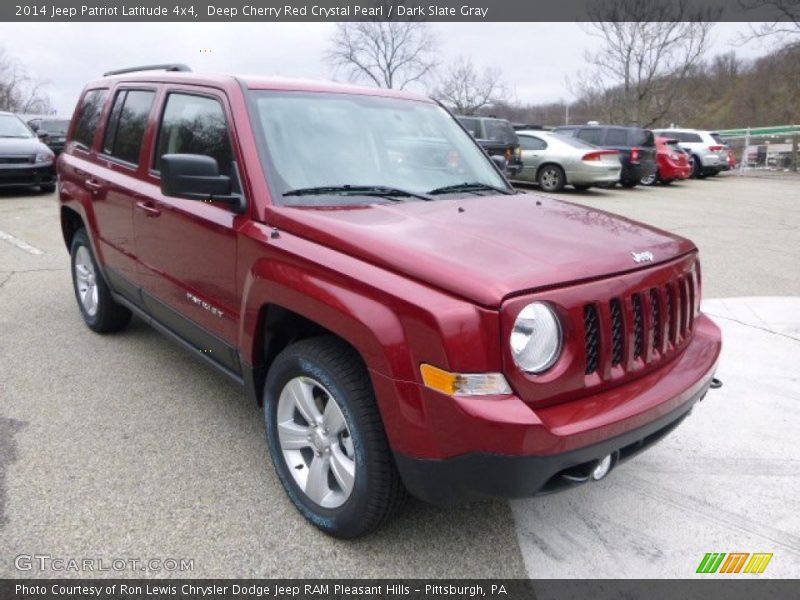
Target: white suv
{"x":707,"y":150}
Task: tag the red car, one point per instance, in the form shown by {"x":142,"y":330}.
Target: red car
{"x":672,"y":163}
{"x":359,"y":266}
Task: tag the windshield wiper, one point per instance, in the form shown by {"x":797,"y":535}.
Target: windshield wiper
{"x":380,"y":191}
{"x":472,"y":186}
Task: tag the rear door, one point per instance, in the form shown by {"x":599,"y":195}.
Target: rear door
{"x":186,"y":248}
{"x":116,"y":183}
{"x":533,"y":151}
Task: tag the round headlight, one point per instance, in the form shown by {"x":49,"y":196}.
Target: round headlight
{"x":536,"y":338}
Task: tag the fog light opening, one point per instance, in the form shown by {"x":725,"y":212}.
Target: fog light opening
{"x":603,"y":467}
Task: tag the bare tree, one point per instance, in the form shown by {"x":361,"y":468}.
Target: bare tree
{"x":649,"y":49}
{"x":387,"y":53}
{"x":467,"y":90}
{"x":19,"y":92}
{"x":783,"y":26}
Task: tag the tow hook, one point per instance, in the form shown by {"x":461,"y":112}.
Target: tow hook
{"x":715,"y":384}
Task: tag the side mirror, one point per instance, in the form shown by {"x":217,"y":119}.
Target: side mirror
{"x":196,"y":177}
{"x":42,"y":135}
{"x":34,"y":127}
{"x":500,"y":162}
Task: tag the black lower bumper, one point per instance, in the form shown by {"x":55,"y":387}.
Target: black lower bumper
{"x":25,"y":176}
{"x":633,"y":173}
{"x":478,"y":475}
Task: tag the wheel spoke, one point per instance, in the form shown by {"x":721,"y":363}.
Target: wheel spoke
{"x":317,"y":482}
{"x":293,"y":436}
{"x":304,"y":401}
{"x":333,"y":419}
{"x":344,"y":469}
{"x":89,"y":300}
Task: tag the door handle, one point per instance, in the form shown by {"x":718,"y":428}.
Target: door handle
{"x":149,"y":208}
{"x":93,"y":185}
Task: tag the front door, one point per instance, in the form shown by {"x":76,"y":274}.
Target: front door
{"x":186,"y":248}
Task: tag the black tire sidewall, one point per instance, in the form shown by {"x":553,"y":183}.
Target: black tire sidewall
{"x":345,"y":520}
{"x":95,"y":322}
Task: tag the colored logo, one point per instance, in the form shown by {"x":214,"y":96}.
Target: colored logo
{"x":734,"y":562}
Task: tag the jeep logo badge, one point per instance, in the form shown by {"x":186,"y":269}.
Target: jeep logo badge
{"x":640,"y":257}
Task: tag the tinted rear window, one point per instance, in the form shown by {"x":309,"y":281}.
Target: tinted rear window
{"x":642,"y":137}
{"x":127,"y":123}
{"x":565,"y":138}
{"x":58,"y":127}
{"x":89,"y":117}
{"x":500,"y":131}
{"x":718,"y":138}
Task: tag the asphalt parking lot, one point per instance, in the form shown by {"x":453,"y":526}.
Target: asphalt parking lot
{"x":125,"y":447}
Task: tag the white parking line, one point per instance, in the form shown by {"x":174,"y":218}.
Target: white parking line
{"x":21,"y":244}
{"x":722,"y":482}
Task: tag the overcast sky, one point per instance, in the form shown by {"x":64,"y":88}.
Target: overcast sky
{"x":535,"y":58}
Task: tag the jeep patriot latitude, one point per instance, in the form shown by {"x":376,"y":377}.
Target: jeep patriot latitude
{"x":358,"y":264}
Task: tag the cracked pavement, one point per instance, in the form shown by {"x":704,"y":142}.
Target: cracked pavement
{"x":125,"y":446}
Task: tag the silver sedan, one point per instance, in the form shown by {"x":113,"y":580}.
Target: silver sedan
{"x":553,"y":161}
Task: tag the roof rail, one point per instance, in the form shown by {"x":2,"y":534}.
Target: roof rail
{"x":165,"y":67}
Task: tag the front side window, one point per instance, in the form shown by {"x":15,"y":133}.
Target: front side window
{"x":89,"y":117}
{"x":313,"y":140}
{"x":194,"y":125}
{"x":127,"y":123}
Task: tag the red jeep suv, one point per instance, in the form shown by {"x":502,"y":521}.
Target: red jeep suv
{"x":357,"y":263}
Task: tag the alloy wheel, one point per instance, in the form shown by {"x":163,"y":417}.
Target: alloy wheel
{"x":550,"y":179}
{"x":315,"y":441}
{"x":86,"y":281}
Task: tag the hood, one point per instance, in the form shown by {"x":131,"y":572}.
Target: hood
{"x":486,"y":248}
{"x":17,"y":146}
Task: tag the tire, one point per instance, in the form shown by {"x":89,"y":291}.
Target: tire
{"x":98,"y":309}
{"x":551,"y":178}
{"x":697,"y":168}
{"x":48,"y":188}
{"x":629,"y":185}
{"x":650,"y":179}
{"x":581,"y":188}
{"x":320,"y":371}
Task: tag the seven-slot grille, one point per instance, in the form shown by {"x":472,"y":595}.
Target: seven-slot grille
{"x":16,"y":160}
{"x":655,"y":321}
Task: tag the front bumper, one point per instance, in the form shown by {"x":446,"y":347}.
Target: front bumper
{"x":27,"y":174}
{"x":503,"y":448}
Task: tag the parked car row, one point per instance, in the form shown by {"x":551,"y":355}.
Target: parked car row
{"x":589,"y":155}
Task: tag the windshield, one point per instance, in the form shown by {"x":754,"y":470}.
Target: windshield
{"x":12,"y":127}
{"x":56,"y":127}
{"x":328,"y":141}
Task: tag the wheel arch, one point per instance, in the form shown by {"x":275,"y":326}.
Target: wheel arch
{"x":71,"y":222}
